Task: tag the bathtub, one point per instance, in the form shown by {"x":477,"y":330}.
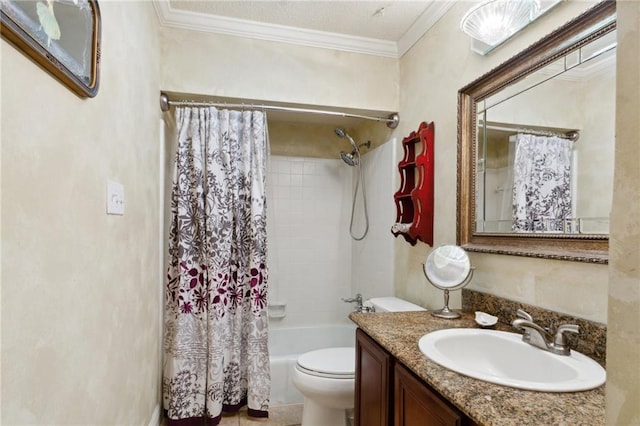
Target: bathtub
{"x":286,"y":344}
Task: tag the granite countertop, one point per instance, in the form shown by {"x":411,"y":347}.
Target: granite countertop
{"x":485,"y":403}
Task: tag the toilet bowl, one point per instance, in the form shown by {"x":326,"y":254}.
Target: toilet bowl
{"x":326,"y":379}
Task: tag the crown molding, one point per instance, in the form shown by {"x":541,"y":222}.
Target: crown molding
{"x":428,"y":19}
{"x":169,"y":17}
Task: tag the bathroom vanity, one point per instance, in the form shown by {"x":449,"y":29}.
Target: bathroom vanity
{"x":388,"y":393}
{"x":398,"y":385}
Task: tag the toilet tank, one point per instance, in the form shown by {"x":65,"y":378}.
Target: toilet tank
{"x":393,"y":304}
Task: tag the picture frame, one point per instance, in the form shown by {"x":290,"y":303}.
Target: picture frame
{"x":62,"y":36}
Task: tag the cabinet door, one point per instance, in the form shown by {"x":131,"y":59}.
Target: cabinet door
{"x":417,"y":405}
{"x":373,"y":383}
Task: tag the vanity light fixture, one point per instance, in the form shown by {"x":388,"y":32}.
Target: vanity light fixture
{"x":493,"y":22}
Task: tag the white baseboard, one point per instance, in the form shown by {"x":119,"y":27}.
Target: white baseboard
{"x":155,"y":418}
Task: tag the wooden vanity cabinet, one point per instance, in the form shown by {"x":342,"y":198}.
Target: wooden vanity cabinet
{"x":417,"y":404}
{"x":374,"y":382}
{"x":387,"y":393}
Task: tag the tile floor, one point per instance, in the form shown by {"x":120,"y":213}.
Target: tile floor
{"x":284,"y":415}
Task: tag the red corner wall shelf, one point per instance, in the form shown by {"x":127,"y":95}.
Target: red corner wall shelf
{"x":414,"y":199}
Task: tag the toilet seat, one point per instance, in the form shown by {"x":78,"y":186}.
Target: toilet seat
{"x":334,"y":363}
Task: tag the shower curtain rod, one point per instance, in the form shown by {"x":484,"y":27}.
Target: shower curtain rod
{"x":572,"y":135}
{"x":165,"y":103}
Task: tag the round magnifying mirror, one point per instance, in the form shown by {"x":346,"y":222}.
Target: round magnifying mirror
{"x":448,"y":268}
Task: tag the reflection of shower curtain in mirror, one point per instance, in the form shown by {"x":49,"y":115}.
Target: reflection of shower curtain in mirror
{"x":541,"y":183}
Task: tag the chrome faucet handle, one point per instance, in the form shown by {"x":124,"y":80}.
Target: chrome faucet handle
{"x":524,"y":315}
{"x":521,"y":313}
{"x":560,"y":345}
{"x":359,"y":305}
{"x":532,"y":333}
{"x":357,"y":299}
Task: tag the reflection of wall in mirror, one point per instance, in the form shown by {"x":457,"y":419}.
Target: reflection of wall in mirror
{"x":595,"y":177}
{"x":498,"y":195}
{"x":493,"y":201}
{"x":569,"y":104}
{"x":499,"y":199}
{"x":480,"y":196}
{"x":555,"y":104}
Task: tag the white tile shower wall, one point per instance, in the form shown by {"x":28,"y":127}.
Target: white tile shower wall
{"x":308,"y":236}
{"x":372,"y":257}
{"x":497,"y":206}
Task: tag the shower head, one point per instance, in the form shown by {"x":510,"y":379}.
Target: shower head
{"x":350,"y":158}
{"x":342,"y":133}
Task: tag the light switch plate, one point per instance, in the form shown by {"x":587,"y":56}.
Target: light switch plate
{"x":115,"y":198}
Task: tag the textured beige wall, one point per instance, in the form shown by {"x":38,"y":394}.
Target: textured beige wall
{"x":623,"y":332}
{"x":80,"y":289}
{"x":431,"y":74}
{"x":263,"y":70}
{"x":597,"y":149}
{"x":306,"y":140}
{"x":318,"y":140}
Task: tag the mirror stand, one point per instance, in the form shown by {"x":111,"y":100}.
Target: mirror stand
{"x":447,"y":268}
{"x":446,"y":312}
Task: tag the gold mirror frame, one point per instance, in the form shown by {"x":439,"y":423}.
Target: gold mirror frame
{"x":575,"y":247}
{"x":21,"y":26}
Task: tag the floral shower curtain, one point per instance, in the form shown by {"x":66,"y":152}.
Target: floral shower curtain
{"x":541,"y":183}
{"x":215,"y":342}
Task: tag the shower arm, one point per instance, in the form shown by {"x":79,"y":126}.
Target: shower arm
{"x":365,"y":144}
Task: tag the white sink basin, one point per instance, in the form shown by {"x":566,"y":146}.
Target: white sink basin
{"x":503,"y":358}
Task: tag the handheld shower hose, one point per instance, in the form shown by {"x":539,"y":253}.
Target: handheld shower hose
{"x":354,"y":159}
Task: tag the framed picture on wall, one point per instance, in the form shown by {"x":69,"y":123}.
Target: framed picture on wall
{"x":62,"y":36}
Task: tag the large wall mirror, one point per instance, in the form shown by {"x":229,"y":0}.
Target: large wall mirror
{"x":536,"y":146}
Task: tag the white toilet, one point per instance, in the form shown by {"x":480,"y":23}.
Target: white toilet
{"x":326,"y":377}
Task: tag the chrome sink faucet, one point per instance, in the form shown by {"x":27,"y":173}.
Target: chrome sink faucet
{"x":359,"y":306}
{"x":543,"y":338}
